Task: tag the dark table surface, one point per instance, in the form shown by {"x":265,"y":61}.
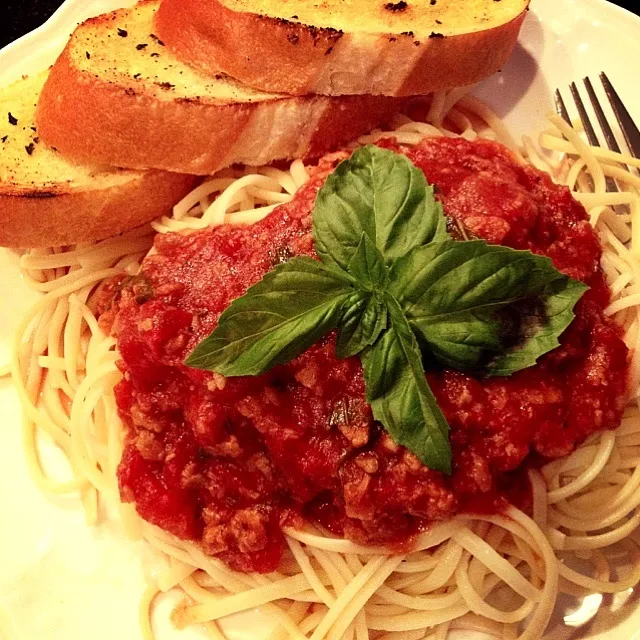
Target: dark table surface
{"x":20,"y":16}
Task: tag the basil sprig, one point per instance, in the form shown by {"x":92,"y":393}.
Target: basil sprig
{"x":400,"y":292}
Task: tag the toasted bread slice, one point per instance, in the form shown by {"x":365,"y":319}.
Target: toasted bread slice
{"x":338,"y":47}
{"x":118,"y":96}
{"x":46,"y":200}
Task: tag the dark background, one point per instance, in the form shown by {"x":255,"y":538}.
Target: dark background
{"x":17,"y":17}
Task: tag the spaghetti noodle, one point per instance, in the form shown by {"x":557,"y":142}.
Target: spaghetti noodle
{"x":482,"y":572}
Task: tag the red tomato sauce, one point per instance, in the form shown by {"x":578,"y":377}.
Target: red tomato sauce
{"x":228,"y":462}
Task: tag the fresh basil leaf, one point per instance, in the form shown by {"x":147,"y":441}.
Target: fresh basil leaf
{"x":399,"y":395}
{"x":392,"y":280}
{"x":475,"y":306}
{"x":275,"y":320}
{"x":558,"y":316}
{"x":367,"y":266}
{"x":465,"y":342}
{"x":364,"y":318}
{"x":379,"y":193}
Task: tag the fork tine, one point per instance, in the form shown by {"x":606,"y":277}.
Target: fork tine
{"x":609,"y":136}
{"x":561,"y":108}
{"x":584,"y":116}
{"x":628,"y":127}
{"x":592,"y":136}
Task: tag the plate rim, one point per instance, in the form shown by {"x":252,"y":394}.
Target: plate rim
{"x":67,"y":15}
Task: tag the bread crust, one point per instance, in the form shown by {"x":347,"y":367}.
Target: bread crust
{"x":57,"y":215}
{"x":46,"y":200}
{"x":278,"y":54}
{"x":90,"y":115}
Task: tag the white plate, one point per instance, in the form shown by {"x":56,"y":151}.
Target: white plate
{"x":60,"y":580}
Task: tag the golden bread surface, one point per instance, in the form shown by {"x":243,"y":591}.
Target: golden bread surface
{"x":49,"y":200}
{"x":340,"y":47}
{"x":122,"y":48}
{"x":421,"y":17}
{"x":118,"y":95}
{"x":27,"y":165}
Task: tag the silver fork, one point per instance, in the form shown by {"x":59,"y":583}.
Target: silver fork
{"x":627,"y":126}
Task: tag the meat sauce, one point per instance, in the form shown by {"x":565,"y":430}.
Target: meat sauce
{"x":229,"y":462}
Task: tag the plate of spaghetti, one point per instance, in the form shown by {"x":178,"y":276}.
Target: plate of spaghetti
{"x":178,"y":463}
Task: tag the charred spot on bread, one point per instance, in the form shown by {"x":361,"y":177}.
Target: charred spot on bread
{"x":12,"y":119}
{"x":409,"y":34}
{"x":30,"y":148}
{"x":333,"y":34}
{"x":435,"y":34}
{"x":295,"y":30}
{"x":396,"y":7}
{"x":153,"y":36}
{"x":39,"y":194}
{"x":87,"y":55}
{"x":188,"y":100}
{"x":283,"y":21}
{"x":141,"y":46}
{"x":123,"y":33}
{"x":4,"y":139}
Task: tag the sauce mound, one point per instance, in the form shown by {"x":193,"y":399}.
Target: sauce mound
{"x":229,"y":462}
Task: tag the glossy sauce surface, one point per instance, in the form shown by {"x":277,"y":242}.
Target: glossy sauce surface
{"x":228,"y":462}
